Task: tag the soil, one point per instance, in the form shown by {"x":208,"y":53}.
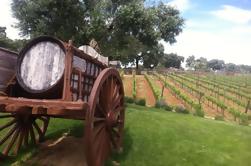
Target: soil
{"x":127,"y":81}
{"x":65,"y":151}
{"x":144,"y":91}
{"x":168,"y":96}
{"x":209,"y":112}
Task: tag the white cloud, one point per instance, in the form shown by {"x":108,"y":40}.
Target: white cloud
{"x":7,"y":20}
{"x":231,"y":45}
{"x":233,"y":14}
{"x":181,"y":5}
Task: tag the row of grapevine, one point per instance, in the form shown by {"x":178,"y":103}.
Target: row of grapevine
{"x":229,"y":84}
{"x":134,"y":86}
{"x":234,"y":112}
{"x":211,"y":99}
{"x":216,"y":91}
{"x":238,"y":93}
{"x":178,"y":94}
{"x":155,"y":89}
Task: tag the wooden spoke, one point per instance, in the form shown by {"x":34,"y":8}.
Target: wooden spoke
{"x":118,"y":109}
{"x":97,"y":120}
{"x":13,"y":140}
{"x":40,"y":133}
{"x":32,"y":134}
{"x":26,"y":136}
{"x":113,"y":140}
{"x":21,"y":131}
{"x":101,"y":110}
{"x":8,"y":124}
{"x":106,"y":112}
{"x":44,"y":119}
{"x":98,"y":129}
{"x":6,"y":116}
{"x":115,"y":132}
{"x":8,"y":135}
{"x":117,"y":101}
{"x":19,"y":143}
{"x":116,"y":92}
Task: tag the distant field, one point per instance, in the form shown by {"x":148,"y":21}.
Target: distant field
{"x":160,"y":138}
{"x":225,"y":96}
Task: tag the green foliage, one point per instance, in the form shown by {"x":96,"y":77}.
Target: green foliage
{"x":199,"y":111}
{"x":155,"y":89}
{"x":162,"y":104}
{"x":13,"y":45}
{"x":129,"y":99}
{"x":134,"y":86}
{"x":168,"y":108}
{"x":219,"y":117}
{"x":216,"y":64}
{"x":141,"y":102}
{"x":122,"y":73}
{"x":181,"y":109}
{"x":123,"y":28}
{"x":190,"y":62}
{"x":172,"y":60}
{"x":236,"y":114}
{"x":244,"y":119}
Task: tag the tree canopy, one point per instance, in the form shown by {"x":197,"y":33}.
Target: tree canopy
{"x":8,"y":43}
{"x":127,"y":30}
{"x":172,"y":60}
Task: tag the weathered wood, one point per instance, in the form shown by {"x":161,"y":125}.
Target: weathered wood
{"x":44,"y":107}
{"x":8,"y":61}
{"x":42,"y":65}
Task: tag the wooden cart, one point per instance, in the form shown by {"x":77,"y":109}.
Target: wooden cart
{"x":55,"y":79}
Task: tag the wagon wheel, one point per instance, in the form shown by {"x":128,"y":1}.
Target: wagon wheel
{"x":105,"y":119}
{"x":23,"y":129}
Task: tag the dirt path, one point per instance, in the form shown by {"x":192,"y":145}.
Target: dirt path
{"x":168,"y":96}
{"x":127,"y":81}
{"x":66,"y":151}
{"x":144,"y":91}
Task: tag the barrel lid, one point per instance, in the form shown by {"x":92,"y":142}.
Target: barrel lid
{"x":33,"y":85}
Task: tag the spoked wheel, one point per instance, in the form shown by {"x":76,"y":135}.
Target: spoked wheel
{"x":21,"y":129}
{"x":105,"y":119}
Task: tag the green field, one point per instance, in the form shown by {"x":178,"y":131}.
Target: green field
{"x":156,"y":137}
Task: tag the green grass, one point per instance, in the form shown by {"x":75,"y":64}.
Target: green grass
{"x":156,"y":137}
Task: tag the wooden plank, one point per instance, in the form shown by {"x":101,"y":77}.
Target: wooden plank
{"x":44,"y":103}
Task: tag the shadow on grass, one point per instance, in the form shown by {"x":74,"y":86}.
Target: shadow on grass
{"x":75,"y":130}
{"x":127,"y":146}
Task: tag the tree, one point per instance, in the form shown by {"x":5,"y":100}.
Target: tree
{"x":152,"y":57}
{"x":216,"y":64}
{"x":201,"y":64}
{"x":172,"y":60}
{"x":5,"y":42}
{"x":117,"y":25}
{"x":230,"y":67}
{"x":190,"y":62}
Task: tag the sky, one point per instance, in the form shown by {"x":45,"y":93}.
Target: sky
{"x":214,"y":29}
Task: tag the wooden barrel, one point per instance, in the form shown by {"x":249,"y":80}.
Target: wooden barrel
{"x":8,"y":60}
{"x":40,"y":65}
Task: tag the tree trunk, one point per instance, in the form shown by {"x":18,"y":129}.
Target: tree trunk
{"x":247,"y":107}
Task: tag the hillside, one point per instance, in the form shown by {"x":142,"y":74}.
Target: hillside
{"x":160,"y":138}
{"x":155,"y":137}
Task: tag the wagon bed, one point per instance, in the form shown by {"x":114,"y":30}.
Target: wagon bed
{"x":55,"y":79}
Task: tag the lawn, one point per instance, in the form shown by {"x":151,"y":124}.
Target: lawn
{"x":155,"y":137}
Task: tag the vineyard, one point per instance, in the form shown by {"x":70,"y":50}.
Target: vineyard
{"x":216,"y":96}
